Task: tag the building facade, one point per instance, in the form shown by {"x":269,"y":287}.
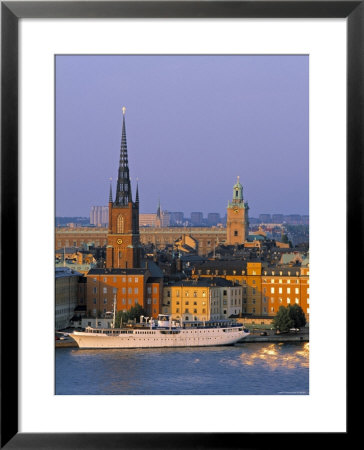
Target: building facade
{"x":202,"y":299}
{"x":264,"y":289}
{"x":68,"y":289}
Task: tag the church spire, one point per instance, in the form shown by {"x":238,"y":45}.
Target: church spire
{"x":110,"y":193}
{"x":137,"y":194}
{"x":123,"y":191}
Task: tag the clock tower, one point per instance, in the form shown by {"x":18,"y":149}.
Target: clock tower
{"x":237,"y":223}
{"x":123,"y":244}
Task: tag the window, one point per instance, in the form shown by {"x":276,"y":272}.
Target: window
{"x":235,"y":233}
{"x":288,"y":290}
{"x":168,"y":293}
{"x":136,"y":280}
{"x":120,"y":224}
{"x":105,"y":290}
{"x":130,"y":290}
{"x":296,"y":300}
{"x":194,"y":293}
{"x":94,"y":290}
{"x":94,"y":301}
{"x":288,"y":300}
{"x":272,"y":290}
{"x":105,"y":301}
{"x":280,"y":290}
{"x":149,"y":290}
{"x":177,"y":293}
{"x":280,"y":281}
{"x":114,"y":290}
{"x":149,"y":301}
{"x":204,"y":294}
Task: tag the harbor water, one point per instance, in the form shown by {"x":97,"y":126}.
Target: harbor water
{"x":244,"y":369}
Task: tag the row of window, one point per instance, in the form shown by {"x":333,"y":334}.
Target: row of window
{"x":280,"y":290}
{"x":114,"y":279}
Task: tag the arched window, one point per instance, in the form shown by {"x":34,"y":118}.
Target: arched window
{"x":120,"y":224}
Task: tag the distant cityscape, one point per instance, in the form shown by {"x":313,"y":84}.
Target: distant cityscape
{"x":99,"y":217}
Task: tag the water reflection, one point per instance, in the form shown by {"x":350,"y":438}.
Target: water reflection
{"x":276,"y":355}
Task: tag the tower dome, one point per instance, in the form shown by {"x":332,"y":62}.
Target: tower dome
{"x":237,"y":191}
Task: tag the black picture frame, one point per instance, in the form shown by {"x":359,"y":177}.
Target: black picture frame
{"x":11,"y":12}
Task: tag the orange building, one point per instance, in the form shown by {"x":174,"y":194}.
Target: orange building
{"x":129,"y":287}
{"x":283,"y":286}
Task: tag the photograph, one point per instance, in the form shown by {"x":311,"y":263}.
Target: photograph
{"x":181,"y":224}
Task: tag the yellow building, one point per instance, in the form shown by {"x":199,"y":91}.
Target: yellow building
{"x":202,"y":300}
{"x":247,"y":275}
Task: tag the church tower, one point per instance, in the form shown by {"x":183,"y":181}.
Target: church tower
{"x":123,"y":244}
{"x":237,"y":223}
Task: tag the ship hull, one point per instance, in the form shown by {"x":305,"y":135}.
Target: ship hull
{"x":160,"y":338}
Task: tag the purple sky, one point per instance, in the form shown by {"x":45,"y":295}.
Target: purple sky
{"x":193,"y":124}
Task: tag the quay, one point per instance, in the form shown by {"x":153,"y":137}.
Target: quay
{"x":255,"y":336}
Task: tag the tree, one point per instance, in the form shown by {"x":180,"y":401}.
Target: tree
{"x":297,"y":315}
{"x":133,"y":313}
{"x":282,"y":320}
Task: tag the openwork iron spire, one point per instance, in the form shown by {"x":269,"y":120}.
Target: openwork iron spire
{"x":110,"y":193}
{"x":123,"y":191}
{"x":137,"y":194}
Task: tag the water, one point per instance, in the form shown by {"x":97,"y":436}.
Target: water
{"x":250,"y":369}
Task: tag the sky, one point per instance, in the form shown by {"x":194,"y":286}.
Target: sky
{"x":193,"y":124}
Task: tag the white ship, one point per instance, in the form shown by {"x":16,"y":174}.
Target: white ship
{"x":166,"y":333}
